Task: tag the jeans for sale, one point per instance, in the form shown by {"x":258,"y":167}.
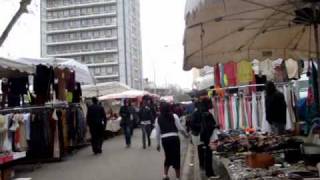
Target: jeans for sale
{"x":127,"y":134}
{"x":146,"y":131}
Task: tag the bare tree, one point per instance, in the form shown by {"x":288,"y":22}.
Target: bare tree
{"x":22,"y":9}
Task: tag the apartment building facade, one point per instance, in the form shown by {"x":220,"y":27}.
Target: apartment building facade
{"x":103,"y":34}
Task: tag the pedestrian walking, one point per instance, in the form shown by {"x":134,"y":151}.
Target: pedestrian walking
{"x":147,"y":116}
{"x":167,"y":127}
{"x":97,"y":120}
{"x":133,"y":117}
{"x":126,"y":122}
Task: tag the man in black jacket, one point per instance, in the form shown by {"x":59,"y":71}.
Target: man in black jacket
{"x":97,"y":121}
{"x":276,"y":108}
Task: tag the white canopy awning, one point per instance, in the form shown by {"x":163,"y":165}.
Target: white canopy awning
{"x":130,"y":94}
{"x":14,"y":68}
{"x":83,"y":74}
{"x":103,"y":89}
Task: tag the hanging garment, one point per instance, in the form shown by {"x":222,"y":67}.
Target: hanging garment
{"x":221,"y":75}
{"x":265,"y":126}
{"x":226,"y":115}
{"x":230,"y":70}
{"x":266,"y":68}
{"x":26,"y":119}
{"x":292,"y":69}
{"x":291,"y":114}
{"x":240,"y":122}
{"x":231,"y":117}
{"x":261,"y":79}
{"x":71,"y":81}
{"x":255,"y":66}
{"x":245,"y":72}
{"x":254,"y":114}
{"x":238,"y":112}
{"x":77,"y":93}
{"x":245,"y":113}
{"x":280,"y":74}
{"x":217,"y":79}
{"x":42,"y":81}
{"x":288,"y":121}
{"x":7,"y":145}
{"x":60,"y":84}
{"x":222,"y":118}
{"x":56,"y":143}
{"x":249,"y":112}
{"x":234,"y":112}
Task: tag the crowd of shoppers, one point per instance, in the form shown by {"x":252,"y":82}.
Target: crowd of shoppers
{"x":165,"y":121}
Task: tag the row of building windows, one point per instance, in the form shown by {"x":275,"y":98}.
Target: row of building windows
{"x":84,"y":11}
{"x":104,"y":70}
{"x":83,"y":23}
{"x":102,"y":80}
{"x":97,"y":58}
{"x":85,"y":35}
{"x":82,"y":47}
{"x":58,"y":3}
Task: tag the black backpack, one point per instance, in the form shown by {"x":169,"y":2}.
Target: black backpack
{"x":208,"y":124}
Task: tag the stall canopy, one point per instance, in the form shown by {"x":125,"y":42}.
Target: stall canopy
{"x":103,"y":89}
{"x":83,"y":74}
{"x":218,"y":31}
{"x":12,"y":68}
{"x":130,"y":94}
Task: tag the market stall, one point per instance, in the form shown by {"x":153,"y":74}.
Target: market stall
{"x":102,"y":89}
{"x":41,"y":116}
{"x":248,"y":43}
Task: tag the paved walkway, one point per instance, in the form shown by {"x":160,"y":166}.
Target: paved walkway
{"x":116,"y":163}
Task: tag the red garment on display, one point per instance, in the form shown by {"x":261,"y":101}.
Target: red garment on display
{"x":217,"y":78}
{"x":230,"y":70}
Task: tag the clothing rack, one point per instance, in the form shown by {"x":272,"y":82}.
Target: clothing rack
{"x":31,"y":108}
{"x":250,"y":85}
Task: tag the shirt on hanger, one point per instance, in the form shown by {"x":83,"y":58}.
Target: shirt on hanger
{"x":292,"y":69}
{"x":255,"y":66}
{"x":245,"y":75}
{"x":266,"y":68}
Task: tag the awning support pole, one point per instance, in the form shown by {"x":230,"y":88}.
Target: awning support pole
{"x":316,"y":35}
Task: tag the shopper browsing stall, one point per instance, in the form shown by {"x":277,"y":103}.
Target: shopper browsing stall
{"x":275,"y":108}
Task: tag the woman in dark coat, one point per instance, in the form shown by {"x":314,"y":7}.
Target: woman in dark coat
{"x":167,"y":127}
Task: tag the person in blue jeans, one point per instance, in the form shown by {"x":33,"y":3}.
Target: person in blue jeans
{"x":126,"y":123}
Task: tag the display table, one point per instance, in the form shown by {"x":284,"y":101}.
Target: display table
{"x":6,"y":163}
{"x":236,"y":169}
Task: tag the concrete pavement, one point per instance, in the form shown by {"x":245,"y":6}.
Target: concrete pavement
{"x":116,"y":162}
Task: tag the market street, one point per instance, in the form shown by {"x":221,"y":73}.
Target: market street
{"x":116,"y":162}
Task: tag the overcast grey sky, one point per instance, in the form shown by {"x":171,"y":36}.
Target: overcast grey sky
{"x":162,"y":25}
